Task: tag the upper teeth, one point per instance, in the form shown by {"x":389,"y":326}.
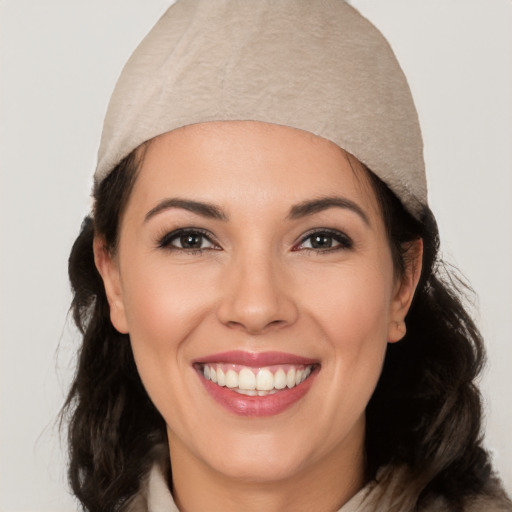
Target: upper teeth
{"x":256,"y":381}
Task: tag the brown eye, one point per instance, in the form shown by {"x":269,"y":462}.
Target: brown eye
{"x":325,"y":241}
{"x":187,"y":240}
{"x":191,"y":241}
{"x":321,"y":241}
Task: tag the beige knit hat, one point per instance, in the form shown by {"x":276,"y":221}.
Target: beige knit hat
{"x":315,"y":65}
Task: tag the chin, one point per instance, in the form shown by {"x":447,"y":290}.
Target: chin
{"x":271,"y":456}
{"x":260,"y":467}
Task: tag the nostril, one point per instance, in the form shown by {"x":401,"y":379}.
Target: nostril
{"x":256,"y":328}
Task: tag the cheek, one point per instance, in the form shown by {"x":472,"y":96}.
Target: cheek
{"x":352,"y":304}
{"x":164,"y":305}
{"x":163,"y":300}
{"x":352,"y":310}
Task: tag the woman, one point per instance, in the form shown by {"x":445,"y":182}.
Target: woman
{"x":265,"y":323}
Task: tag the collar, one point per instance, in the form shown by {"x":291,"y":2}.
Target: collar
{"x":156,"y":496}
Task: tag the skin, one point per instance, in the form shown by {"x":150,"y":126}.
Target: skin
{"x":257,"y":285}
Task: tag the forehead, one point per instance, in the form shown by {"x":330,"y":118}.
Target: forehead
{"x":249,"y":162}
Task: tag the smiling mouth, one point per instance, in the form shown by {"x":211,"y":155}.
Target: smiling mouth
{"x":256,"y":381}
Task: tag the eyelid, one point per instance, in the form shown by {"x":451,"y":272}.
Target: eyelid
{"x":344,"y":241}
{"x":164,"y":241}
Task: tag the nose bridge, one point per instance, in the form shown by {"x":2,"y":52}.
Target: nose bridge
{"x":256,"y":293}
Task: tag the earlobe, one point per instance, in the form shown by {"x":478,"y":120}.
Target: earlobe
{"x":109,"y":270}
{"x":404,"y":291}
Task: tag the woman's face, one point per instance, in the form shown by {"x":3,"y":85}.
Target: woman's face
{"x":256,"y":254}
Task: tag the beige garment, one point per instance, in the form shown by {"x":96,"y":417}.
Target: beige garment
{"x":156,"y":497}
{"x":314,"y":65}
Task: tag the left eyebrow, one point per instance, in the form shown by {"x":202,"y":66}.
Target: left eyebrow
{"x":306,"y":208}
{"x":204,"y":209}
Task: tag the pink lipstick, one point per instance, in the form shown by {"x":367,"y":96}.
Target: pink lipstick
{"x":256,"y":384}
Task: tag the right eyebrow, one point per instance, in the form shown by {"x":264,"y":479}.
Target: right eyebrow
{"x":201,"y":208}
{"x":323,"y":203}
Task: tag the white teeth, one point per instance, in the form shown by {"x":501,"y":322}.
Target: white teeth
{"x":290,"y":378}
{"x":248,"y":392}
{"x":264,"y":380}
{"x":246,"y":379}
{"x":262,"y":383}
{"x":280,"y":379}
{"x":231,"y":379}
{"x":253,"y":392}
{"x":221,"y":378}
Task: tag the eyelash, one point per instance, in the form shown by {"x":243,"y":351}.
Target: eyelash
{"x":344,"y":241}
{"x":166,"y":241}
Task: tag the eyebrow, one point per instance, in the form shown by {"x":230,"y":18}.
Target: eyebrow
{"x":324,"y":203}
{"x":297,"y":211}
{"x":204,"y":209}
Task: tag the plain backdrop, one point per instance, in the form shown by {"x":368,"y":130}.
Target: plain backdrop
{"x":59,"y":60}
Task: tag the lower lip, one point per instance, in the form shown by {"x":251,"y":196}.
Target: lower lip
{"x":257,"y":406}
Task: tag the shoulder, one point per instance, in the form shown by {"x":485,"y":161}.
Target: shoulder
{"x":394,"y":491}
{"x":489,"y":504}
{"x":472,"y":504}
{"x":492,"y":499}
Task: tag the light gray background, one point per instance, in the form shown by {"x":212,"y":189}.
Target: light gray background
{"x":59,"y":60}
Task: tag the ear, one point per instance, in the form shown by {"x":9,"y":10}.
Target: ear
{"x":108,"y":268}
{"x":404,"y":290}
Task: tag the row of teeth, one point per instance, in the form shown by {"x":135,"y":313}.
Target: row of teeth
{"x":262,"y":383}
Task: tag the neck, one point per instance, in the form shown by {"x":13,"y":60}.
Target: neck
{"x":325,"y":485}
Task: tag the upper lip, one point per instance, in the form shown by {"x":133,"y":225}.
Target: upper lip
{"x":256,"y":359}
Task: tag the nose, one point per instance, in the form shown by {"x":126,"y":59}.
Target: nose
{"x":257,"y":295}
